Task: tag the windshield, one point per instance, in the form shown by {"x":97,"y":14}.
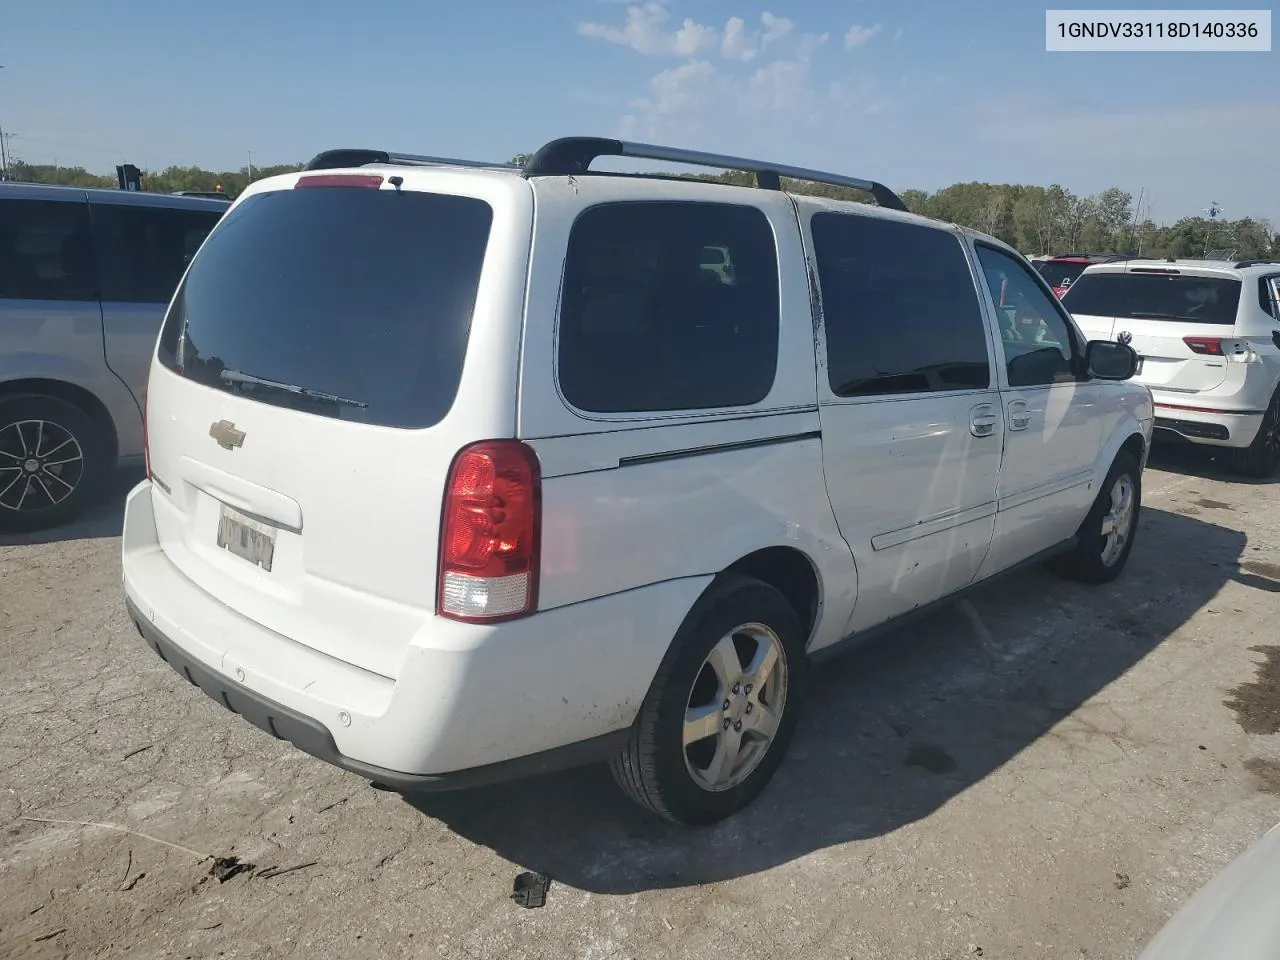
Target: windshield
{"x":1145,"y":296}
{"x":1057,"y":272}
{"x":345,"y":302}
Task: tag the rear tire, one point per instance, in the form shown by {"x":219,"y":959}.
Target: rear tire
{"x":721,"y":711}
{"x":53,"y":460}
{"x":1260,"y":459}
{"x":1106,"y":536}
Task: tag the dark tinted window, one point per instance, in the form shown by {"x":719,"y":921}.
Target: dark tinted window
{"x":363,"y":297}
{"x":651,"y":320}
{"x":1057,"y":272}
{"x":144,"y":250}
{"x":1038,"y":346}
{"x":1153,"y":296}
{"x":1269,"y":295}
{"x":46,"y":251}
{"x":899,"y":306}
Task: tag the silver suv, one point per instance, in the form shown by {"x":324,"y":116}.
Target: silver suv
{"x":85,"y":276}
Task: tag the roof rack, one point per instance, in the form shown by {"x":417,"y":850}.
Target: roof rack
{"x":572,"y":156}
{"x":1256,"y":263}
{"x":332,"y":159}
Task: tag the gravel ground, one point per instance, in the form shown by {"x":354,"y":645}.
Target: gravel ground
{"x":1045,"y":770}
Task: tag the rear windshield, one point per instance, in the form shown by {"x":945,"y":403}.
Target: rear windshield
{"x":344,"y":302}
{"x":1145,"y":296}
{"x":1058,"y":273}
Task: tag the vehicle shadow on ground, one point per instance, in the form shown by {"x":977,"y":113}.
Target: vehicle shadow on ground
{"x":890,"y":733}
{"x":105,"y":518}
{"x":1207,"y":463}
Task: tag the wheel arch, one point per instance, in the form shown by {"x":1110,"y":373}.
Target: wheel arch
{"x":70,"y":393}
{"x":792,"y":573}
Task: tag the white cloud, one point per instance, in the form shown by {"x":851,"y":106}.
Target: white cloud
{"x":700,"y":103}
{"x":858,"y":36}
{"x":739,"y":44}
{"x":775,"y":28}
{"x":644,"y":32}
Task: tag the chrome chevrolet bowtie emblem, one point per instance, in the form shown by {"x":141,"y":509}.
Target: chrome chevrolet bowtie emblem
{"x":225,"y":432}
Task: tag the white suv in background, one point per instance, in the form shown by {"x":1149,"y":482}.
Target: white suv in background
{"x":1207,"y":332}
{"x":463,"y":473}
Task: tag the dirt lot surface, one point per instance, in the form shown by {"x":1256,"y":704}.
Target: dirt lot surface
{"x":1044,"y":771}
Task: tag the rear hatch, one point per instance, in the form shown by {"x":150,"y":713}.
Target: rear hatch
{"x":1181,"y":324}
{"x":310,"y":391}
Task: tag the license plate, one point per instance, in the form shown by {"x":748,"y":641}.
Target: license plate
{"x":246,"y":538}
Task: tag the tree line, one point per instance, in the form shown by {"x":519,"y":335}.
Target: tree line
{"x":1034,"y":219}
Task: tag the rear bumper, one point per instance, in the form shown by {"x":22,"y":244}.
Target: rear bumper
{"x":311,"y":736}
{"x":1204,"y":424}
{"x":470,"y":703}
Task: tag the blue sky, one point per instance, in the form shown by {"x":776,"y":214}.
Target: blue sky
{"x":916,"y":93}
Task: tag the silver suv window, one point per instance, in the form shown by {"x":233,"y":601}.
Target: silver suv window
{"x":46,"y":251}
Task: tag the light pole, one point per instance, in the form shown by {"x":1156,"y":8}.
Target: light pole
{"x":4,"y":151}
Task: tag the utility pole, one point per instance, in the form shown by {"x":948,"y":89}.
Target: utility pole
{"x":251,"y":166}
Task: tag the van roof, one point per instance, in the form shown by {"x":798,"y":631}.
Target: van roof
{"x":11,"y":189}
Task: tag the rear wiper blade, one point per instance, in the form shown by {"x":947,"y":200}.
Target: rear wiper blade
{"x":235,"y":376}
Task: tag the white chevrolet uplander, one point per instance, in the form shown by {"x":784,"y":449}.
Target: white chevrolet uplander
{"x":460,"y":473}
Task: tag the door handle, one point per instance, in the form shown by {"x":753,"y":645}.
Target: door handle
{"x":982,"y":420}
{"x":1019,"y":415}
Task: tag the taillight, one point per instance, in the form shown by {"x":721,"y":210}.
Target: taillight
{"x":490,"y":533}
{"x":1207,"y":346}
{"x":339,"y":180}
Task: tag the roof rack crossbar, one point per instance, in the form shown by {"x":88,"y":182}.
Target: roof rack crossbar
{"x":569,"y":156}
{"x":332,"y":159}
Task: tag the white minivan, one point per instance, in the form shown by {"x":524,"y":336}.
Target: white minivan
{"x":462,"y":473}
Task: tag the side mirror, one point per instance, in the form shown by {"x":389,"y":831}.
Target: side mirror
{"x":1108,"y":360}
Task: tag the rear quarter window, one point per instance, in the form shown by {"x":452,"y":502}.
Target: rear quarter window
{"x":668,"y":305}
{"x":144,"y":250}
{"x":354,"y":303}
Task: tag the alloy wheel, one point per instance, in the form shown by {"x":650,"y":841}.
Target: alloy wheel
{"x":41,"y":465}
{"x":735,"y":707}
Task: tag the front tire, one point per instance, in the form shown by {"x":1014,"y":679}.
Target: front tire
{"x":1106,"y":536}
{"x":52,"y":462}
{"x":1260,"y":459}
{"x":722,"y":709}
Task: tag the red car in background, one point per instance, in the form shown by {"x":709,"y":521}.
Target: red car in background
{"x":1062,"y":271}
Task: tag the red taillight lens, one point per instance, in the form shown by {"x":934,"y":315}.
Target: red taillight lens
{"x":1208,"y":346}
{"x":490,"y":533}
{"x":339,"y":180}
